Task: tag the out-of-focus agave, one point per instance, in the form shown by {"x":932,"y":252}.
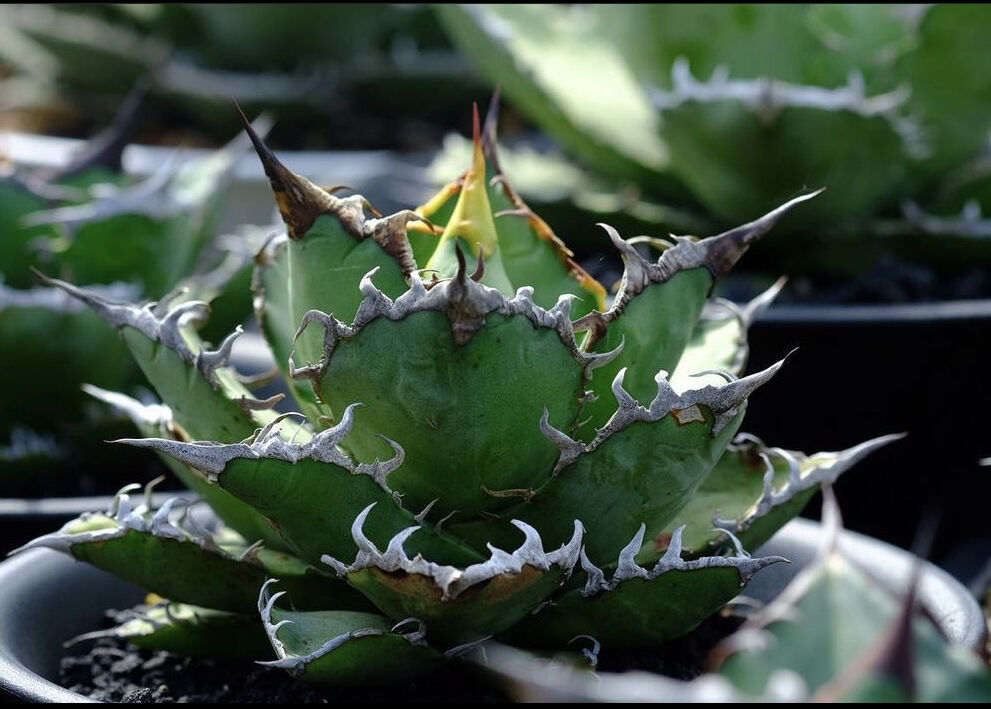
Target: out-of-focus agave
{"x":89,"y":223}
{"x":313,"y":64}
{"x":487,"y":447}
{"x":726,"y":109}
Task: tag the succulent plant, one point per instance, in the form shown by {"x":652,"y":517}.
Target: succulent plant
{"x":90,"y":223}
{"x":486,"y":446}
{"x":835,"y":633}
{"x":726,"y":109}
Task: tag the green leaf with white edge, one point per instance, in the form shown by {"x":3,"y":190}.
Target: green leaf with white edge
{"x":345,"y":648}
{"x":165,"y":553}
{"x":459,"y":605}
{"x":640,"y":607}
{"x":311,"y":491}
{"x":270,"y":286}
{"x":529,"y":252}
{"x":719,"y":341}
{"x":324,"y":269}
{"x":656,"y":311}
{"x":643,"y":467}
{"x":191,"y":631}
{"x":469,"y":412}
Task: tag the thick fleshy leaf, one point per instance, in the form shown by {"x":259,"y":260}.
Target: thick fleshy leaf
{"x":311,"y":491}
{"x":331,"y":246}
{"x":476,"y":370}
{"x":155,"y":420}
{"x":850,"y":639}
{"x":658,"y":306}
{"x":957,"y":121}
{"x":640,"y":607}
{"x":529,"y":252}
{"x":459,"y":605}
{"x":191,"y":631}
{"x":166,"y":554}
{"x":719,"y":342}
{"x":643,"y":467}
{"x":345,"y":648}
{"x":753,"y":512}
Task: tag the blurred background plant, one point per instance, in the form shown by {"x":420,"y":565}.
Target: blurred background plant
{"x":690,"y":113}
{"x":335,"y":74}
{"x":129,"y":238}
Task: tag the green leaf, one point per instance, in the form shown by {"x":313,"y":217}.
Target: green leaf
{"x":165,"y":554}
{"x":467,"y":414}
{"x":640,"y":607}
{"x":311,"y":491}
{"x":345,"y":648}
{"x":459,"y":605}
{"x":191,"y":631}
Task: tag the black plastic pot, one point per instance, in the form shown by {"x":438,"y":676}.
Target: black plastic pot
{"x":48,"y":598}
{"x":863,"y":371}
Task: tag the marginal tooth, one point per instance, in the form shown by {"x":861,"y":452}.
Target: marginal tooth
{"x":160,"y":524}
{"x":209,"y":362}
{"x":724,"y":250}
{"x":596,"y":581}
{"x":627,"y":566}
{"x":160,"y":308}
{"x":672,"y":555}
{"x":462,"y":273}
{"x":567,"y":555}
{"x":120,"y":498}
{"x":762,"y":302}
{"x":594,"y":360}
{"x":480,"y":268}
{"x":413,"y":637}
{"x":636,"y":274}
{"x":421,"y":518}
{"x":150,"y":487}
{"x":726,"y":375}
{"x":366,"y":549}
{"x":339,"y":567}
{"x":737,"y":544}
{"x":395,"y":555}
{"x":272,"y":600}
{"x":591,"y":654}
{"x":532,"y":550}
{"x":623,"y":398}
{"x":570,"y":448}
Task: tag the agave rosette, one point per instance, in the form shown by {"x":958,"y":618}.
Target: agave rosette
{"x":486,"y":447}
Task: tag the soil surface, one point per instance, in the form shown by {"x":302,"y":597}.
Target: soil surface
{"x":116,"y":671}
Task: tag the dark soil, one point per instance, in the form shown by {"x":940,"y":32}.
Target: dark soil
{"x":113,"y":670}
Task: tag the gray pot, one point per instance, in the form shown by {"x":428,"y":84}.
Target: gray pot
{"x":48,"y":598}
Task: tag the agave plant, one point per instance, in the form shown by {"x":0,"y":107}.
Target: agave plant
{"x":127,"y":238}
{"x":726,"y":109}
{"x":836,"y":633}
{"x":484,"y":449}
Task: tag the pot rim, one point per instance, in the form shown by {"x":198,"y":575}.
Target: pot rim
{"x":964,"y":624}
